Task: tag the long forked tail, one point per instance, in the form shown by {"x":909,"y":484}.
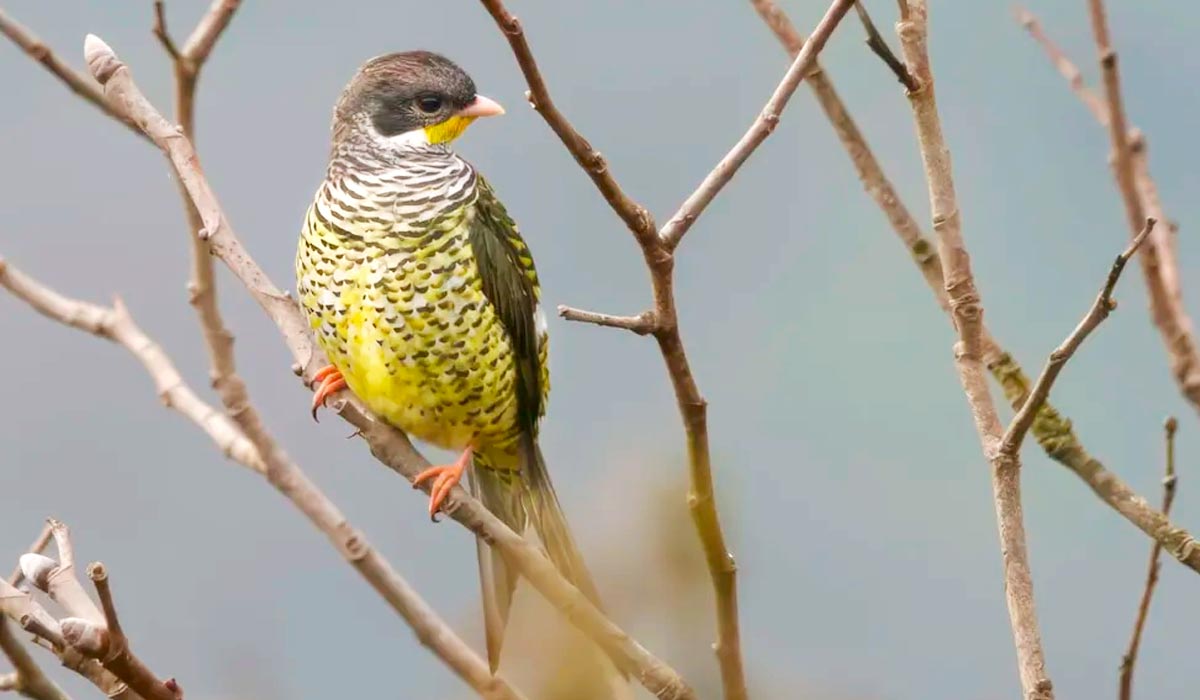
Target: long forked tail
{"x":520,"y":498}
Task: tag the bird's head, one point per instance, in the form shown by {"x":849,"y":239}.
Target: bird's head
{"x":414,"y":98}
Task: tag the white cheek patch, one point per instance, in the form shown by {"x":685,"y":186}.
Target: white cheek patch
{"x":409,"y":139}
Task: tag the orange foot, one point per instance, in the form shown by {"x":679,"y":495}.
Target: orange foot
{"x":447,"y":477}
{"x":328,"y":381}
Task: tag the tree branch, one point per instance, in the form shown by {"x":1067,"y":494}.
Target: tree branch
{"x":642,"y":324}
{"x":658,"y":252}
{"x":1125,"y":682}
{"x":1139,"y":194}
{"x":967,"y":310}
{"x":804,"y":63}
{"x":77,"y":82}
{"x":1104,"y":304}
{"x":1054,"y":432}
{"x":880,"y":48}
{"x":388,"y":445}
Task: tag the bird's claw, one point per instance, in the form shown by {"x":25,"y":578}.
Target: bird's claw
{"x":445,"y":477}
{"x":328,"y":381}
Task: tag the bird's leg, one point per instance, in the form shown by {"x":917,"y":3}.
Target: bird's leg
{"x":328,"y":381}
{"x":445,"y":477}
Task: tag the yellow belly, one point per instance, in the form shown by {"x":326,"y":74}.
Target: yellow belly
{"x":414,"y":336}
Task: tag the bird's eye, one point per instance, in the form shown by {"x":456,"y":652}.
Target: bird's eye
{"x":429,"y":104}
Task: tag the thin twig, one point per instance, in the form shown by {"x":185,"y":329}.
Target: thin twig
{"x":118,"y":657}
{"x":967,"y":310}
{"x":116,"y":324}
{"x":635,"y":216}
{"x":1100,"y":310}
{"x":804,"y":63}
{"x":1054,"y":432}
{"x":880,"y":48}
{"x":388,"y":445}
{"x":641,"y":324}
{"x":162,"y":34}
{"x":1074,"y":78}
{"x":1129,"y":660}
{"x":79,"y":83}
{"x":658,"y":251}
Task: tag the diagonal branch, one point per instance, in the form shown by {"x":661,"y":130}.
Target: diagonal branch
{"x":1125,"y":680}
{"x":77,"y":82}
{"x":658,"y":251}
{"x":387,"y":444}
{"x":967,"y":310}
{"x":115,"y":324}
{"x":1054,"y":432}
{"x":803,"y":64}
{"x":1100,"y":310}
{"x":880,"y":48}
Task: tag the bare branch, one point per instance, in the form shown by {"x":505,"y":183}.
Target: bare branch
{"x":1131,"y":171}
{"x":1054,"y":432}
{"x":635,"y":215}
{"x":880,"y":48}
{"x":1159,"y":265}
{"x":388,"y":445}
{"x":658,"y":252}
{"x":768,"y":119}
{"x":162,"y":34}
{"x":116,"y":325}
{"x":116,"y":655}
{"x":76,"y":81}
{"x":1094,"y":104}
{"x":641,"y":324}
{"x":88,"y":668}
{"x":1100,"y":310}
{"x":967,"y":311}
{"x":1125,"y":681}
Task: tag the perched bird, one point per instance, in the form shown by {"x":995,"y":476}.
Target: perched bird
{"x":424,"y":296}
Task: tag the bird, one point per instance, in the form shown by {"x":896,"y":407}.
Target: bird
{"x":422,"y":293}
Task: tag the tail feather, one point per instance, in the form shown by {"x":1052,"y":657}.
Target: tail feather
{"x":500,"y":493}
{"x":520,"y":498}
{"x":550,"y":522}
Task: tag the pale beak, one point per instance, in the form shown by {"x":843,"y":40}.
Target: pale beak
{"x":481,"y":107}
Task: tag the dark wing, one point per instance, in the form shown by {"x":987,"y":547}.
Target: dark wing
{"x":510,"y":284}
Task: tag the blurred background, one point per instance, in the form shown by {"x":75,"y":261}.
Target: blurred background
{"x":850,"y":479}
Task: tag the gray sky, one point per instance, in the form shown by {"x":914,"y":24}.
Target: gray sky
{"x":850,"y":478}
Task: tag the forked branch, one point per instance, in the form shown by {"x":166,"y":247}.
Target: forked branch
{"x":658,"y":248}
{"x":1103,"y":306}
{"x":967,"y":311}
